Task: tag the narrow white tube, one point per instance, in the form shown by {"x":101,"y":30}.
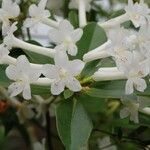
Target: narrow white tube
{"x":106,"y":74}
{"x":82,"y":13}
{"x":43,"y":82}
{"x":33,"y":48}
{"x":98,"y":53}
{"x":50,"y":22}
{"x":114,"y":22}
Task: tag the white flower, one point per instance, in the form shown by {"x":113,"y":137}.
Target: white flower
{"x":23,"y":75}
{"x":66,"y":37}
{"x":63,"y":73}
{"x":39,"y":146}
{"x":75,"y":3}
{"x":130,"y":109}
{"x":8,"y":40}
{"x":138,"y":12}
{"x":36,"y":13}
{"x":104,"y":144}
{"x":9,"y":10}
{"x":3,"y":53}
{"x":135,"y":74}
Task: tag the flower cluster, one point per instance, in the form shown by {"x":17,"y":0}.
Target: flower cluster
{"x":129,"y":49}
{"x":59,"y":75}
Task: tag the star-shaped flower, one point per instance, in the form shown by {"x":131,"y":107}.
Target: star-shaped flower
{"x":131,"y":109}
{"x":66,"y":37}
{"x":63,"y":73}
{"x":36,"y":13}
{"x":75,"y":3}
{"x":135,"y":74}
{"x":138,"y":12}
{"x":9,"y":10}
{"x":23,"y":75}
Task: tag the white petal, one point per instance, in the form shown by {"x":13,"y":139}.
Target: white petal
{"x":15,"y":88}
{"x":140,"y":84}
{"x":61,"y":59}
{"x":57,"y":87}
{"x":3,"y":52}
{"x":72,"y":49}
{"x":76,"y":35}
{"x":129,"y":87}
{"x":75,"y":67}
{"x":29,"y":22}
{"x":42,"y":4}
{"x":124,"y":113}
{"x":23,"y":64}
{"x":11,"y":72}
{"x":73,"y":84}
{"x":56,"y":36}
{"x":46,"y":14}
{"x":65,"y":26}
{"x":5,"y":27}
{"x":34,"y":74}
{"x":50,"y":71}
{"x":27,"y":92}
{"x":134,"y":116}
{"x":33,"y":10}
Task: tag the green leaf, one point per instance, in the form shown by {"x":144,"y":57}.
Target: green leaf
{"x":63,"y":120}
{"x":81,"y":127}
{"x":4,"y":81}
{"x":107,"y":89}
{"x":93,"y":37}
{"x":40,"y":90}
{"x":67,"y":93}
{"x":37,"y":58}
{"x":73,"y":18}
{"x":73,"y":124}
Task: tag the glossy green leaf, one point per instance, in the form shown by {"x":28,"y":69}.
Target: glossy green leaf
{"x":63,"y":120}
{"x":81,"y":127}
{"x":73,"y":18}
{"x":67,"y":93}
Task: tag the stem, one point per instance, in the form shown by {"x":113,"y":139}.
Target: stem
{"x":50,"y":22}
{"x":114,"y":22}
{"x":98,"y":53}
{"x":28,"y":33}
{"x":82,"y":13}
{"x":33,"y":48}
{"x":48,"y":131}
{"x":105,"y":74}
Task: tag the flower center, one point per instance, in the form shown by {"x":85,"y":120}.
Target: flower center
{"x":62,"y":73}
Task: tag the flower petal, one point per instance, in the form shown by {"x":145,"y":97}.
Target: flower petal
{"x":50,"y":71}
{"x":11,"y":72}
{"x":29,"y":22}
{"x":57,"y":87}
{"x":27,"y":92}
{"x":124,"y":113}
{"x":65,"y":26}
{"x":75,"y":67}
{"x":140,"y":84}
{"x":73,"y":84}
{"x":15,"y":88}
{"x":76,"y":35}
{"x":129,"y":87}
{"x":72,"y":49}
